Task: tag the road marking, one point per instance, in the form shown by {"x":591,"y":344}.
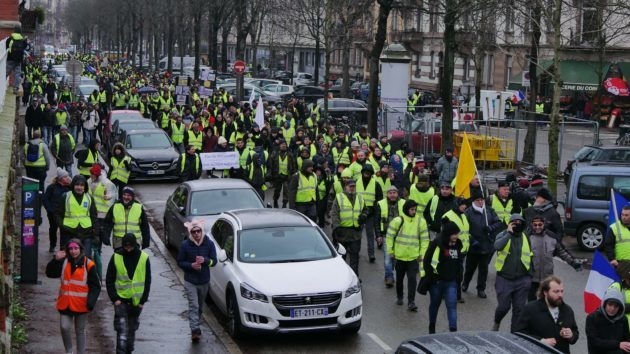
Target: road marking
{"x":380,"y":342}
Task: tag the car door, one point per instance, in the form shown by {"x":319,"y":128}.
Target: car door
{"x":223,"y":237}
{"x":180,"y":232}
{"x":171,"y":211}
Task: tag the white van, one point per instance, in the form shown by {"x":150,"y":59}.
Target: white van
{"x":190,"y":70}
{"x":177,"y":63}
{"x":492,"y":104}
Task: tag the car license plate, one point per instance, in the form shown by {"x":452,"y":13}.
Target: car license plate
{"x":312,"y":312}
{"x":155,"y":172}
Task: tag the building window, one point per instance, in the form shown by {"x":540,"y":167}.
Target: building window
{"x":432,"y":72}
{"x":488,"y":70}
{"x":591,"y":21}
{"x":419,"y":23}
{"x":433,"y":16}
{"x":510,"y":17}
{"x":466,"y":74}
{"x":418,"y":65}
{"x":508,"y":70}
{"x":395,"y":20}
{"x":358,"y":57}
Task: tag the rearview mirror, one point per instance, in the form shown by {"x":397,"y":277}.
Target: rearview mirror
{"x":341,"y":250}
{"x":222,"y":256}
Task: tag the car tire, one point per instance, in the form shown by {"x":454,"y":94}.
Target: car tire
{"x":234,"y":326}
{"x":590,"y":236}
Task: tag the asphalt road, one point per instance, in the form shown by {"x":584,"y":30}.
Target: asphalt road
{"x":385,"y":324}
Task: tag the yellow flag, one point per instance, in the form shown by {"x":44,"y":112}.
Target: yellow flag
{"x":466,"y":170}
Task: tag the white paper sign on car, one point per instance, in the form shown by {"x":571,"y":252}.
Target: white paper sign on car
{"x":219,"y":160}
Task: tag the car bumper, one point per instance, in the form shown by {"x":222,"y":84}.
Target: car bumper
{"x":257,"y":316}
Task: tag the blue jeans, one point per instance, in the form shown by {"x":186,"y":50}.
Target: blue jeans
{"x":15,"y":69}
{"x":389,"y":267}
{"x":446,"y":290}
{"x":87,"y":136}
{"x":46,"y":134}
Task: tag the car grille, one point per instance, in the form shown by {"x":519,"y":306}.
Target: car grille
{"x":284,"y":303}
{"x":149,"y":165}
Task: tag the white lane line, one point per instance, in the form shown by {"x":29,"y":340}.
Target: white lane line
{"x":380,"y":342}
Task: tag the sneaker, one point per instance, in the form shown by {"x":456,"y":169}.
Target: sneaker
{"x":412,"y":306}
{"x":399,"y":301}
{"x":461,"y":301}
{"x":372,"y":259}
{"x":482,"y":294}
{"x":196,"y":335}
{"x":389,"y":282}
{"x":464,"y":287}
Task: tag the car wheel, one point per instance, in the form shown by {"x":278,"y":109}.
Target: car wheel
{"x":590,"y":236}
{"x":234,"y":317}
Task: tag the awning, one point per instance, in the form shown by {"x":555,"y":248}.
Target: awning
{"x":581,"y":75}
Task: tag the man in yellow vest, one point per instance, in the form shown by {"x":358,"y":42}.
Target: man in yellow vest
{"x":421,"y":192}
{"x":502,"y":202}
{"x":384,"y":211}
{"x":616,"y":246}
{"x":194,"y":137}
{"x":371,"y":192}
{"x":88,"y":157}
{"x":348,"y":215}
{"x":103,"y":193}
{"x":282,"y":165}
{"x":77,"y":215}
{"x":189,"y":165}
{"x":177,"y":131}
{"x":126,"y":216}
{"x":513,"y":265}
{"x":36,"y":159}
{"x":407,"y":242}
{"x":120,"y":167}
{"x":303,"y":190}
{"x":128,"y":283}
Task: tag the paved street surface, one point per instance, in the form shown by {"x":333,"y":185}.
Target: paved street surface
{"x":385,"y":324}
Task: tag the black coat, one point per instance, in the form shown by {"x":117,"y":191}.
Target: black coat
{"x":537,"y":322}
{"x":604,"y":336}
{"x":483,"y":229}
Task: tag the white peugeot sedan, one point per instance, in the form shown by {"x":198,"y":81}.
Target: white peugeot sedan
{"x":278,"y":272}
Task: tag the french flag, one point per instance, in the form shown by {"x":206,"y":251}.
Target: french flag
{"x":518,"y":97}
{"x":602,"y":275}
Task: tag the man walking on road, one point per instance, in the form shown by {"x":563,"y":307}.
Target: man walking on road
{"x":347,"y":216}
{"x":302,"y":190}
{"x":549,"y":319}
{"x":124,"y":217}
{"x":128,"y":283}
{"x":196,"y":255}
{"x":36,"y":159}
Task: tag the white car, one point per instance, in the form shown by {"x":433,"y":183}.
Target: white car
{"x":279,"y":273}
{"x":278,"y":89}
{"x":302,"y":79}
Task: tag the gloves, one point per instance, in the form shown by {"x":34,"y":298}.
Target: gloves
{"x":362,"y":219}
{"x":577,"y":266}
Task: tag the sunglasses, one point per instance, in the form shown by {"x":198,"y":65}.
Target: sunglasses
{"x":195,"y":231}
{"x":538,"y":224}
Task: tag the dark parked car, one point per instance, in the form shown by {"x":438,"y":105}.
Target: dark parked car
{"x":610,"y":153}
{"x":474,"y":342}
{"x":345,"y":107}
{"x":152,"y":154}
{"x":205,"y":199}
{"x":310,"y":94}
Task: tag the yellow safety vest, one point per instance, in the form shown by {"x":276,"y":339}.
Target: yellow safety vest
{"x":464,"y":228}
{"x":348,"y":213}
{"x":84,"y":169}
{"x":384,"y":185}
{"x":98,"y":195}
{"x":434,"y":204}
{"x":383,"y":204}
{"x":177,"y":134}
{"x":407,"y":238}
{"x":130,"y":288}
{"x":306,"y":189}
{"x":283,"y":165}
{"x":526,"y":255}
{"x":127,"y":220}
{"x":243,"y":157}
{"x":60,"y":118}
{"x":422,"y":198}
{"x":367,"y":192}
{"x":195,"y":140}
{"x":41,"y":160}
{"x":77,"y":214}
{"x":57,"y":140}
{"x":119,"y":171}
{"x":183,"y":166}
{"x":622,"y":241}
{"x":503,"y":212}
{"x":540,"y":108}
{"x":341,"y":157}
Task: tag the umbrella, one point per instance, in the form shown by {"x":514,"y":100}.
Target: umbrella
{"x":147,"y":90}
{"x":90,"y":69}
{"x":616,"y":86}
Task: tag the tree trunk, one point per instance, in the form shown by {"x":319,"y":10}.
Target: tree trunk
{"x":375,"y":54}
{"x":197,"y":39}
{"x":224,"y":47}
{"x":317,"y":54}
{"x":529,"y":147}
{"x":446,"y":81}
{"x":345,"y":59}
{"x":478,"y":82}
{"x":554,"y":120}
{"x":170,"y":41}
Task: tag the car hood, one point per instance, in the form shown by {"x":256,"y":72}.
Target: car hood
{"x":153,"y":154}
{"x":298,"y":278}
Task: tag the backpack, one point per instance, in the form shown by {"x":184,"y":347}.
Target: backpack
{"x":32,"y":152}
{"x":18,"y":47}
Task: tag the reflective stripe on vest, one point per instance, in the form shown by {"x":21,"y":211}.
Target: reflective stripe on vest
{"x":503,"y":212}
{"x":306,"y":189}
{"x":77,"y":214}
{"x":422,"y":198}
{"x":183,"y":164}
{"x":434,"y":204}
{"x":119,"y":171}
{"x":177,"y":134}
{"x":127,"y":220}
{"x":132,"y":288}
{"x":464,"y":228}
{"x":384,"y":206}
{"x":41,"y":160}
{"x":348,"y":213}
{"x":367,"y":192}
{"x":98,"y":194}
{"x":58,"y":141}
{"x":622,"y":241}
{"x":283,"y":165}
{"x":341,"y":157}
{"x":526,"y":255}
{"x":73,"y":291}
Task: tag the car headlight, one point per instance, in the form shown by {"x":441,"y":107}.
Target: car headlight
{"x":354,"y":288}
{"x":248,"y":292}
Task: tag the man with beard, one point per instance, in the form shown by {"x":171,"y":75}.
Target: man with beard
{"x":447,"y":166}
{"x":513,"y":265}
{"x":358,"y":164}
{"x":128,"y":283}
{"x":126,"y":216}
{"x":421,"y":192}
{"x":282,"y":166}
{"x":558,"y":330}
{"x":544,"y":208}
{"x":77,"y":215}
{"x":303,"y":190}
{"x":613,"y":247}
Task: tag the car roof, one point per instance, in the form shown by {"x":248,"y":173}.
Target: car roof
{"x":266,"y":218}
{"x":602,"y":166}
{"x":475,"y":342}
{"x":145,"y":131}
{"x":608,"y":147}
{"x":125,"y":112}
{"x":216,"y":183}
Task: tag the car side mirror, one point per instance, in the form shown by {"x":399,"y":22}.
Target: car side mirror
{"x":222,"y":256}
{"x":341,"y":250}
{"x":182,"y":211}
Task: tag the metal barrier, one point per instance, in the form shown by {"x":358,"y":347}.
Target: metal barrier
{"x":3,"y":72}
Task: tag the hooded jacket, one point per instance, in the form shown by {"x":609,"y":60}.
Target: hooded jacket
{"x":550,"y":215}
{"x":188,"y":252}
{"x":603,"y":332}
{"x":483,"y":228}
{"x":130,"y":259}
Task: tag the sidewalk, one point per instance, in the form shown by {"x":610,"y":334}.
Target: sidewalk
{"x":163,"y":322}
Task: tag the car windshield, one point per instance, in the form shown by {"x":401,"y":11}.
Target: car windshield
{"x":136,"y":124}
{"x":157,"y":140}
{"x":282,"y":245}
{"x":87,"y":90}
{"x":216,"y":201}
{"x":586,"y":153}
{"x":128,"y":116}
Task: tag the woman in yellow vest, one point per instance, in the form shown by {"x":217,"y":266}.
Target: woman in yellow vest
{"x":78,"y":292}
{"x":119,"y":167}
{"x":77,"y":215}
{"x":88,"y":157}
